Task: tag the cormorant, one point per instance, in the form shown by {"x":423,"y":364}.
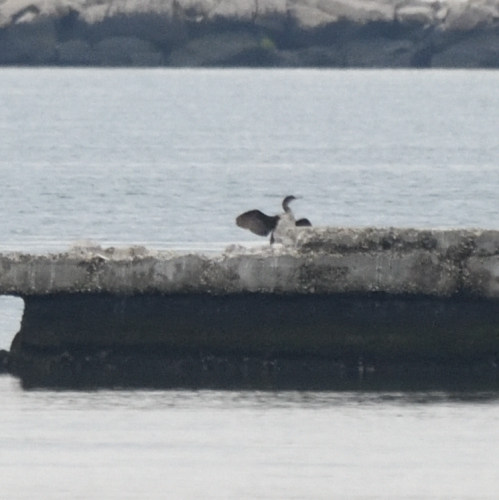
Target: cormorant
{"x":282,"y":228}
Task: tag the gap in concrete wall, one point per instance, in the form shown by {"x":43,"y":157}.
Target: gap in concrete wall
{"x":11,"y":313}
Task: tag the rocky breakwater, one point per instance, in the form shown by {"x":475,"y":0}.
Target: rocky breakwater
{"x":343,"y":304}
{"x":270,"y":33}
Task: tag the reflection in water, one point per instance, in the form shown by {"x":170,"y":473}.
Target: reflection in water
{"x":159,"y":399}
{"x":239,"y":444}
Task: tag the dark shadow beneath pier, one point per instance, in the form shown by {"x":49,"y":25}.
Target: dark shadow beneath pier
{"x":258,"y":341}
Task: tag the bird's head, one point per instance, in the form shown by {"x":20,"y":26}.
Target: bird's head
{"x":287,"y":201}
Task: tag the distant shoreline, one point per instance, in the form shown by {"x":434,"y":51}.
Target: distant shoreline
{"x":277,"y":34}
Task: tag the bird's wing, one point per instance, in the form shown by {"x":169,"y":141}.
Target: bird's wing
{"x":303,"y":222}
{"x":257,"y":222}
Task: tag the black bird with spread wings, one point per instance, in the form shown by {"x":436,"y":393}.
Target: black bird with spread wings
{"x":263,"y":225}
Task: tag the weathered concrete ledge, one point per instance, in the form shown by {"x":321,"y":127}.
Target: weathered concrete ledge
{"x":344,"y":302}
{"x":438,"y":263}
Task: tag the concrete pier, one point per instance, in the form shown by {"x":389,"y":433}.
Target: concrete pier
{"x":342,"y":304}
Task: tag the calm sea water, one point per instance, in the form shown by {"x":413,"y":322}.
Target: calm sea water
{"x":166,"y":159}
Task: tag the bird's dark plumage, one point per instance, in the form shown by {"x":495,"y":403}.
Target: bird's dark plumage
{"x":257,"y":222}
{"x":303,"y":222}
